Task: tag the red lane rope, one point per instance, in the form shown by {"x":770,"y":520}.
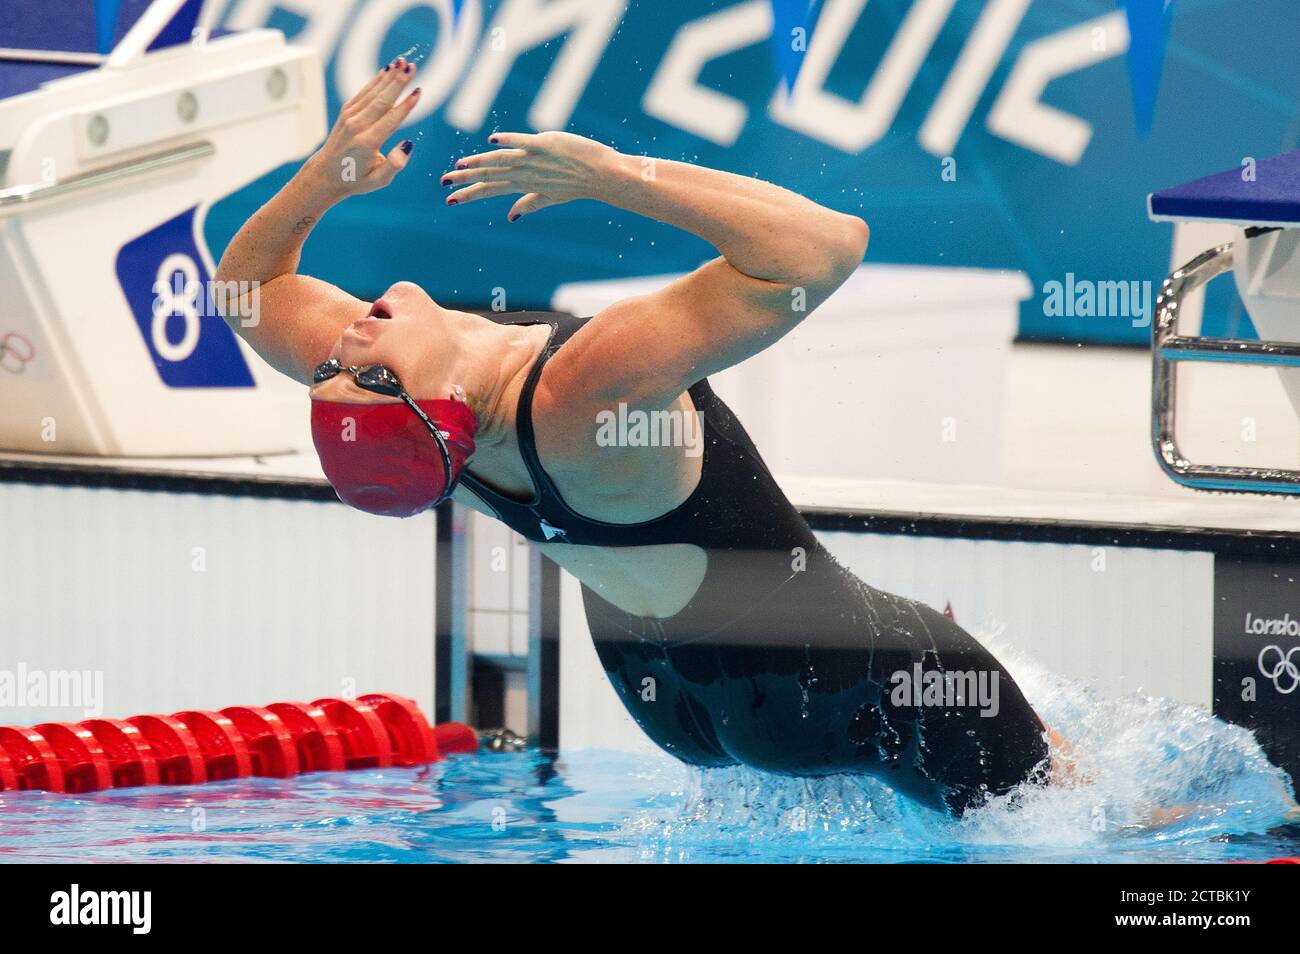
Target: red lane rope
{"x":280,"y":740}
{"x":130,"y":756}
{"x":270,"y":744}
{"x":33,"y":759}
{"x":364,"y":738}
{"x":85,"y":767}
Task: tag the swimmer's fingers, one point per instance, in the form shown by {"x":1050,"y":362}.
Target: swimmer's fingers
{"x":481,"y":190}
{"x":496,"y":158}
{"x":389,"y":121}
{"x":384,"y":96}
{"x":465,"y":177}
{"x":532,"y":202}
{"x":361,"y":96}
{"x":512,"y":140}
{"x":364,"y":123}
{"x":393,"y":163}
{"x":366,"y":95}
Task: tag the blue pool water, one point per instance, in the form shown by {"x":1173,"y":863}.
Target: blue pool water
{"x":597,"y":806}
{"x":1134,"y":756}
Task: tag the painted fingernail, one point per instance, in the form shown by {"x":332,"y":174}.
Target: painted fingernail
{"x":462,"y":165}
{"x":407,"y":146}
{"x":492,"y":140}
{"x":446,"y":182}
{"x":416,"y":91}
{"x":386,"y":68}
{"x":409,"y":67}
{"x":451,"y":201}
{"x":513,"y":217}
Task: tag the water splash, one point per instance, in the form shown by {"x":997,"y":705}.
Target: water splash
{"x":416,"y":53}
{"x":1154,"y":778}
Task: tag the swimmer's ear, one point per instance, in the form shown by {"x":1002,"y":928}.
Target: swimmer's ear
{"x":393,"y":163}
{"x":532,"y":202}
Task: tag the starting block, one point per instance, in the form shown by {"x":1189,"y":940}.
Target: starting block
{"x":1263,"y":204}
{"x":114,"y":143}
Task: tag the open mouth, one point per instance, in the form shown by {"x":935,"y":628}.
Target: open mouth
{"x":380,"y":309}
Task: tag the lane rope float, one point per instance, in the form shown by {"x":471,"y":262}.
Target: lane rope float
{"x":279,"y":740}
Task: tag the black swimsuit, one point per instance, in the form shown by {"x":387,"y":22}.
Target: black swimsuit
{"x":783,"y":659}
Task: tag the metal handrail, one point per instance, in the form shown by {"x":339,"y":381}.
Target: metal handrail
{"x":1169,"y":348}
{"x":23,"y":197}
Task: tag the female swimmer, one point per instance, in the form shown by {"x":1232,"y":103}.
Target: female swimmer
{"x":727,"y":629}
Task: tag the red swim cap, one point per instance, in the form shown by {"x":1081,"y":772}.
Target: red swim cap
{"x":381,"y":458}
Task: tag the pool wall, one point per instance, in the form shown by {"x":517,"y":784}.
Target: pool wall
{"x":174,"y":600}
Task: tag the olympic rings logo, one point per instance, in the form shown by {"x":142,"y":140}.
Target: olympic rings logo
{"x":16,"y":353}
{"x":1283,"y":667}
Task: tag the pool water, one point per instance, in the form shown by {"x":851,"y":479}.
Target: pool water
{"x":595,"y":806}
{"x":1135,"y":757}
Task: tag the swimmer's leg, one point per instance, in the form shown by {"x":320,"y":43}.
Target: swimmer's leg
{"x":1063,"y":764}
{"x":983,"y":741}
{"x":1162,"y":817}
{"x":810,"y":689}
{"x":660,"y":701}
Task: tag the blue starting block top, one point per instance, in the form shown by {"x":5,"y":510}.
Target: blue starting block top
{"x":1270,"y":198}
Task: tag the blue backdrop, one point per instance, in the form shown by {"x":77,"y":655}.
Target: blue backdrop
{"x":1227,"y":89}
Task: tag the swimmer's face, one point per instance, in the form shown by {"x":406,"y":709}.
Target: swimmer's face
{"x":402,"y":331}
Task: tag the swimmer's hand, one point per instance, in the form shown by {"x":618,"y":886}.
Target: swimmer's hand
{"x":549,"y":168}
{"x":350,"y":162}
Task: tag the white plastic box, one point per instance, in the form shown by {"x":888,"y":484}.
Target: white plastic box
{"x":900,"y":374}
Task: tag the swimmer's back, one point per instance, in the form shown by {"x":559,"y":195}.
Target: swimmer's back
{"x":779,"y":658}
{"x":734,"y":483}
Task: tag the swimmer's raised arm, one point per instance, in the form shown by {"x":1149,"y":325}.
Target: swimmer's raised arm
{"x":297,"y":318}
{"x":782,"y":253}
